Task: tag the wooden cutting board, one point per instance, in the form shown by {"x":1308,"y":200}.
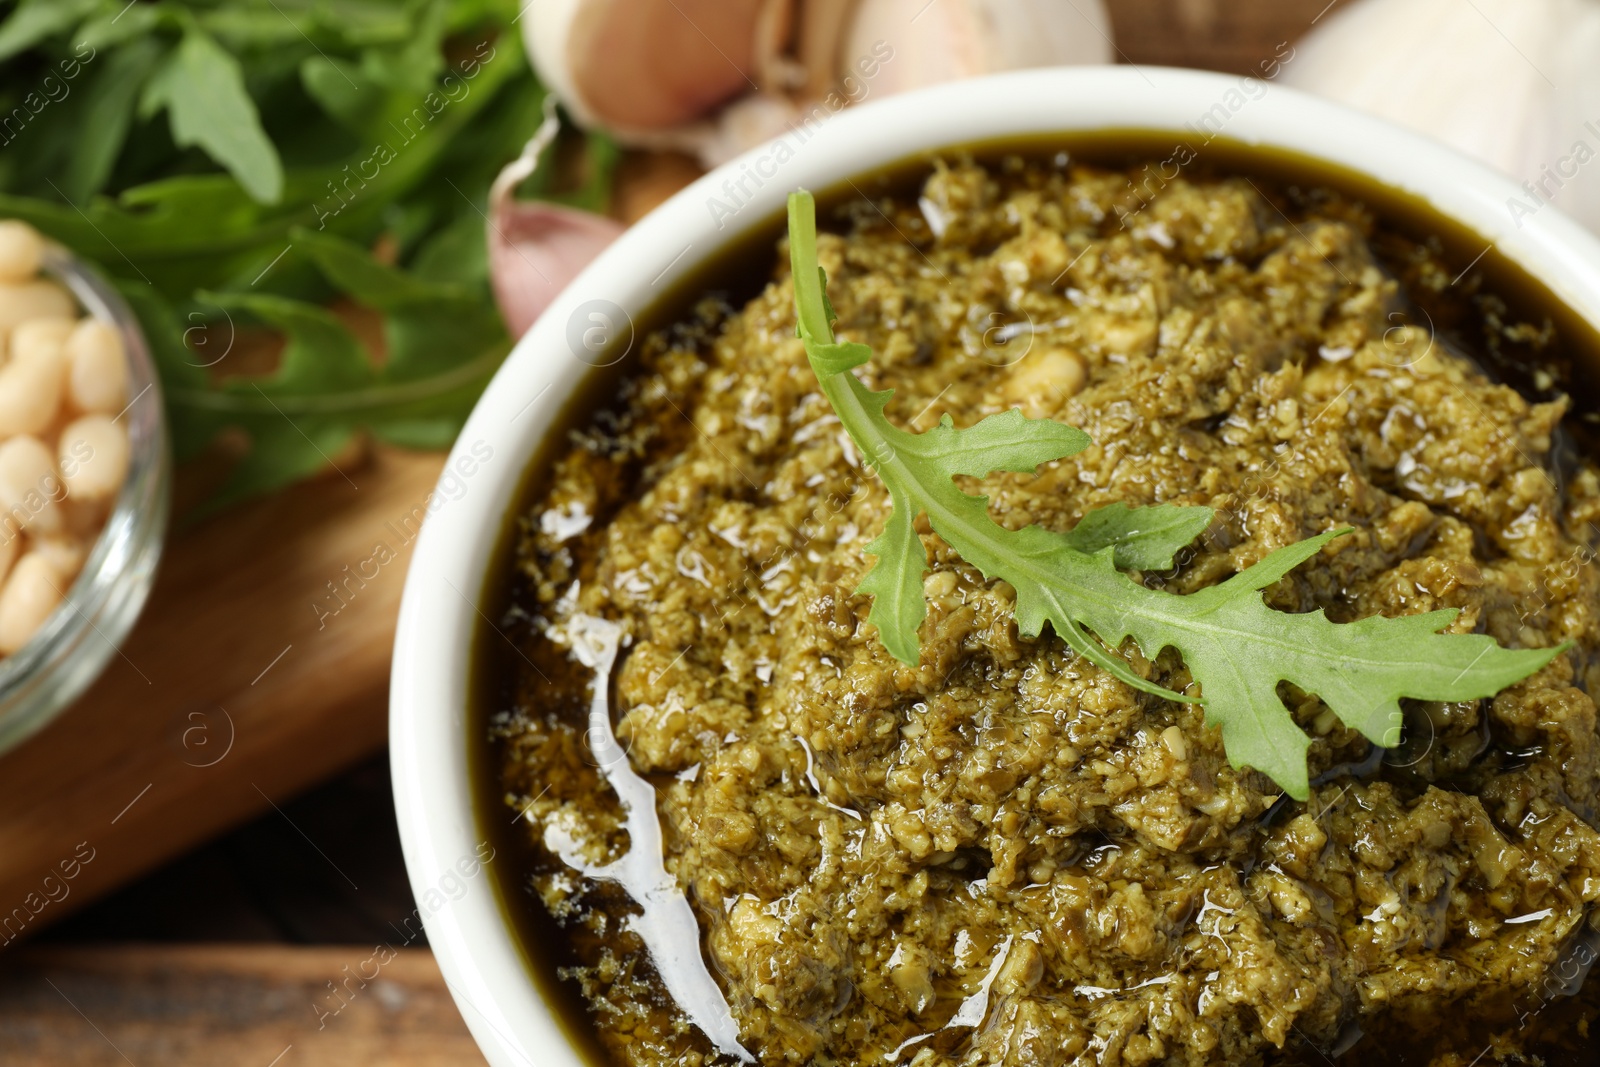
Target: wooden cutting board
{"x":245,"y":681}
{"x":230,"y":1006}
{"x":241,"y":687}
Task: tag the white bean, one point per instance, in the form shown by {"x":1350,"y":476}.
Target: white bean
{"x":40,"y":299}
{"x":94,"y":457}
{"x":84,"y":519}
{"x":30,"y":594}
{"x":30,"y":393}
{"x":65,"y":553}
{"x":39,"y":338}
{"x":97,"y":368}
{"x":31,"y":488}
{"x":10,"y":548}
{"x":21,"y":248}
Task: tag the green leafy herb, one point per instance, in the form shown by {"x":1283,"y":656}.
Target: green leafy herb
{"x":232,"y":164}
{"x":202,"y":87}
{"x":1235,"y":646}
{"x":442,"y":343}
{"x":35,"y":20}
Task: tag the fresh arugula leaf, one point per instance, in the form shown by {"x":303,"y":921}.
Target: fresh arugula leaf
{"x":35,"y":20}
{"x":443,"y":341}
{"x":121,"y":23}
{"x":288,"y":441}
{"x":1142,"y":539}
{"x":1235,"y":646}
{"x":108,"y":111}
{"x":455,"y":253}
{"x":202,"y":87}
{"x":441,"y":85}
{"x":1000,"y":442}
{"x":344,"y":91}
{"x":262,"y":27}
{"x":322,"y":354}
{"x":196,"y":231}
{"x":427,"y":324}
{"x":415,"y":62}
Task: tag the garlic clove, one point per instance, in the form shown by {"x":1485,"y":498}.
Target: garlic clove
{"x":535,"y":247}
{"x":717,"y":77}
{"x":545,"y":247}
{"x":636,"y":66}
{"x":881,"y":47}
{"x":824,"y":25}
{"x":952,"y":39}
{"x":1512,"y":83}
{"x":1434,"y":65}
{"x":743,"y":124}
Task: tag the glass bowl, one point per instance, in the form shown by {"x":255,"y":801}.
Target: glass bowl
{"x":79,"y":638}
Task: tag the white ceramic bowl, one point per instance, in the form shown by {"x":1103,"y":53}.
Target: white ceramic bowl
{"x":478,"y":953}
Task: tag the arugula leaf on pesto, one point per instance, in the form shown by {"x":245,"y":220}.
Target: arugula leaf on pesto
{"x":1236,"y":647}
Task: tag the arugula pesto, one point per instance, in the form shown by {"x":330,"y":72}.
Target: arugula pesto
{"x":1235,"y":647}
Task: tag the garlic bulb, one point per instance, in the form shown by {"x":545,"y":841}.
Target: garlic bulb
{"x":715,"y":77}
{"x":640,"y":67}
{"x":535,"y":247}
{"x":946,"y":41}
{"x":1514,"y":83}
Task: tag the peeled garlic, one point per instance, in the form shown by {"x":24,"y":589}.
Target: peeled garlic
{"x":536,"y":247}
{"x":1513,"y":83}
{"x":716,"y":77}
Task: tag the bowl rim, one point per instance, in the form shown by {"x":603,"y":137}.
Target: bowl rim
{"x":481,"y":959}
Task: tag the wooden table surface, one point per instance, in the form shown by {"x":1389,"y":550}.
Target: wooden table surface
{"x":270,"y":1006}
{"x":234,"y":694}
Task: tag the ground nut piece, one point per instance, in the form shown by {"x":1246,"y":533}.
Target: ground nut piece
{"x":30,"y":394}
{"x":1041,"y":381}
{"x":97,"y":368}
{"x":1023,"y":969}
{"x":911,"y":971}
{"x":21,"y":248}
{"x":40,"y":338}
{"x":34,"y":300}
{"x":65,"y":553}
{"x":30,"y":594}
{"x":94,"y":457}
{"x":30,"y":486}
